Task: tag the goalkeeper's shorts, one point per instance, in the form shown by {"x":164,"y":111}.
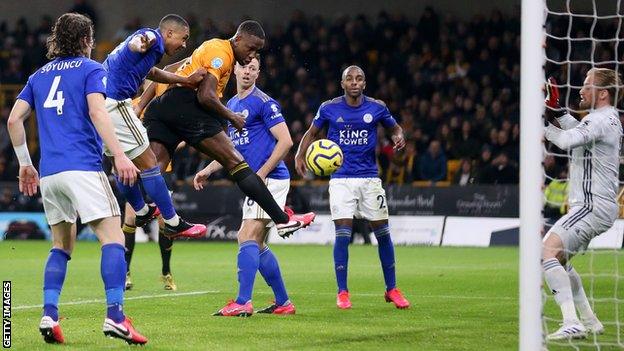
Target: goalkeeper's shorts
{"x":583,"y":223}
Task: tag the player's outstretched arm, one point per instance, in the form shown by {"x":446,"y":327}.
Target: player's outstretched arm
{"x":161,"y":76}
{"x":126,"y":170}
{"x":586,"y":132}
{"x":208,"y":98}
{"x":28,"y":176}
{"x":202,"y":176}
{"x":284,"y":143}
{"x":309,"y":137}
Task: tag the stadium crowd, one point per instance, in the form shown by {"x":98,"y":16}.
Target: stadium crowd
{"x":452,"y":84}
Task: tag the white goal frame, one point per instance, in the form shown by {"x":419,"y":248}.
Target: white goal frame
{"x":531,"y":176}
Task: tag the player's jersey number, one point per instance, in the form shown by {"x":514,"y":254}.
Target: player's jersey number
{"x":55,"y":97}
{"x":382,"y":201}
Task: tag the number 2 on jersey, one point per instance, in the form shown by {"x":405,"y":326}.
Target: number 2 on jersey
{"x":55,"y":97}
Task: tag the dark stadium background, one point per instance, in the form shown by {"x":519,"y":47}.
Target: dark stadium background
{"x":449,"y":73}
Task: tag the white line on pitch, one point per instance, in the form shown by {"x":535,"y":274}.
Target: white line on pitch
{"x":204,"y":292}
{"x":86,"y":302}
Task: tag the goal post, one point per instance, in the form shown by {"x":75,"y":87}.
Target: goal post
{"x":531,"y":179}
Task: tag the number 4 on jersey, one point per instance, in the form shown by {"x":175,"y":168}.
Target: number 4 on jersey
{"x":55,"y":98}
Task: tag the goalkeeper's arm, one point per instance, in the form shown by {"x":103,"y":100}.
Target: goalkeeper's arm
{"x":584,"y":133}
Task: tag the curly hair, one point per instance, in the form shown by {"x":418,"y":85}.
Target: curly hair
{"x":67,"y":35}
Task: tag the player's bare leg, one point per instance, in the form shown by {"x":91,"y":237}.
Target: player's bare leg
{"x":386,"y":256}
{"x":162,"y":155}
{"x":220,"y":148}
{"x":341,"y":260}
{"x":554,"y":258}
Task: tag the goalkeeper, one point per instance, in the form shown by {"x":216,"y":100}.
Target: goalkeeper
{"x":594,"y":143}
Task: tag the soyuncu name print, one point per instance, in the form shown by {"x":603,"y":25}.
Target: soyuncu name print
{"x":63,"y":65}
{"x":353,"y":137}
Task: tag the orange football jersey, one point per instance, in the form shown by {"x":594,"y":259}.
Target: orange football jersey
{"x":217,"y":57}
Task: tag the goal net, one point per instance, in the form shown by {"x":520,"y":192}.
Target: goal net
{"x":577,"y":36}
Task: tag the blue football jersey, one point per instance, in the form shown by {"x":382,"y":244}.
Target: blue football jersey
{"x":127,"y":70}
{"x":354,"y":129}
{"x":58,"y":93}
{"x":255,"y":142}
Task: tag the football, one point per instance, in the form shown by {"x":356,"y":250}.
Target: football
{"x":324,"y":157}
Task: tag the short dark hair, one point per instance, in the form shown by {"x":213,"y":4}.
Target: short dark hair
{"x":172,"y":18}
{"x":251,"y":27}
{"x":67,"y":34}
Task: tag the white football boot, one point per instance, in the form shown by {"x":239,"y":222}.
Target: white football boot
{"x":569,"y":330}
{"x":593,"y":326}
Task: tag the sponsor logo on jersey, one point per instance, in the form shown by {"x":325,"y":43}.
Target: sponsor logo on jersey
{"x":340,"y":120}
{"x":353,"y":137}
{"x":239,"y":138}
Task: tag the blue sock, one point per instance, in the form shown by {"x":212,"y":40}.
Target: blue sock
{"x":53,"y":278}
{"x":248,"y":261}
{"x":113,"y":269}
{"x":341,"y":255}
{"x":155,"y":186}
{"x":132,"y":194}
{"x":269,"y":268}
{"x":386,"y":255}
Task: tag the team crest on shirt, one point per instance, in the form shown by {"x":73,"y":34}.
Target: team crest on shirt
{"x":368,"y":118}
{"x":216,"y":62}
{"x":245,"y":113}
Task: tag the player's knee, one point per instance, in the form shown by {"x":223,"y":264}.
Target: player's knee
{"x":252,"y":230}
{"x":232,"y":163}
{"x":68,"y":247}
{"x":108,"y":230}
{"x":345,"y":222}
{"x":553,"y":252}
{"x":146,"y":160}
{"x":379,"y":224}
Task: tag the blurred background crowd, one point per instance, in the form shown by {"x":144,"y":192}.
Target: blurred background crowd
{"x":452,"y":84}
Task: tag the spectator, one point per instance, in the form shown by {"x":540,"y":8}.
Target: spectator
{"x":433,"y":163}
{"x":84,"y":8}
{"x":447,"y":79}
{"x":500,"y":171}
{"x":467,"y":145}
{"x":465,"y":175}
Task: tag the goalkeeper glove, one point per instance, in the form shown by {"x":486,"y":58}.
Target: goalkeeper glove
{"x":553,"y":109}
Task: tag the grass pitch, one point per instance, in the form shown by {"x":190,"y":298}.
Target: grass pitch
{"x":462,"y":299}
